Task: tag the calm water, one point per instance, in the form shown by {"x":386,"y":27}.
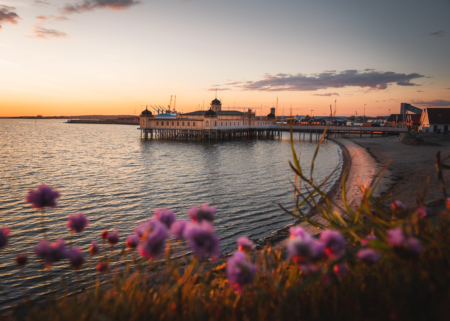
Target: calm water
{"x":117,"y":180}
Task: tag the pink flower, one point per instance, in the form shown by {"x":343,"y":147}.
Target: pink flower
{"x":204,"y":212}
{"x":367,"y":239}
{"x":298,"y":231}
{"x":202,"y":240}
{"x":21,"y":259}
{"x":132,"y":241}
{"x":165,"y":216}
{"x":4,"y":233}
{"x":395,"y":237}
{"x":75,"y":257}
{"x":43,"y":196}
{"x":368,"y":256}
{"x":422,"y":212}
{"x":103,"y":267}
{"x":244,"y":244}
{"x":334,"y":243}
{"x":305,"y":251}
{"x":77,"y":223}
{"x":398,"y":206}
{"x":178,"y":228}
{"x":113,"y":237}
{"x":104,"y":235}
{"x":153,"y":238}
{"x":239,"y":271}
{"x":414,"y":245}
{"x":93,"y":249}
{"x":51,"y":253}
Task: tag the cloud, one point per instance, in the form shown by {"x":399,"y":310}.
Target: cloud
{"x":44,"y":33}
{"x":327,"y":94}
{"x":447,"y":88}
{"x":233,"y":83}
{"x":329,"y":79}
{"x":41,"y":3}
{"x":432,"y":103}
{"x":52,"y":18}
{"x":420,"y":91}
{"x":218,"y":89}
{"x":439,"y":33}
{"x":8,"y":15}
{"x":88,"y":5}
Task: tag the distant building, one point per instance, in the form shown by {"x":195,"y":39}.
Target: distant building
{"x":396,"y":120}
{"x":435,"y":120}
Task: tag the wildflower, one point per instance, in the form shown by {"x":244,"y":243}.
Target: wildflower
{"x":165,"y":216}
{"x":178,"y":228}
{"x":51,"y":253}
{"x":239,"y":271}
{"x":309,"y":268}
{"x":395,"y":237}
{"x":244,"y":244}
{"x":204,"y":212}
{"x":77,"y":223}
{"x":398,"y":205}
{"x":422,"y":212}
{"x":113,"y":237}
{"x":304,"y":251}
{"x":367,"y":239}
{"x":202,"y":240}
{"x":153,"y":239}
{"x":103,"y":267}
{"x":21,"y":259}
{"x":93,"y":249}
{"x":4,"y":233}
{"x":132,"y":241}
{"x":297,"y":231}
{"x":43,"y":196}
{"x":414,"y":245}
{"x":368,"y":256}
{"x":406,"y":247}
{"x":104,"y":234}
{"x":340,"y":270}
{"x":75,"y":257}
{"x":334,"y":243}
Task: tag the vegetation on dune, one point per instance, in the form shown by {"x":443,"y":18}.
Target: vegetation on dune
{"x":368,"y":263}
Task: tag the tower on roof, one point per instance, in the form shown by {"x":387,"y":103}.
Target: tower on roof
{"x":216,"y":105}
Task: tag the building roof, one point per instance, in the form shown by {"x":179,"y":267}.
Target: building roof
{"x":146,"y":112}
{"x":216,"y":102}
{"x":438,"y":115}
{"x":218,"y":113}
{"x":209,"y":113}
{"x":271,"y":115}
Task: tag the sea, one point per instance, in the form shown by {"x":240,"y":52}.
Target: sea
{"x":117,"y":179}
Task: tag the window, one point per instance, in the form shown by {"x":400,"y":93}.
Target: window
{"x":189,"y":123}
{"x":156,"y":123}
{"x":215,"y":123}
{"x":234,"y":123}
{"x":178,"y":123}
{"x":167,"y":123}
{"x":193,"y":124}
{"x":221,"y":123}
{"x":226,"y":123}
{"x":182,"y":124}
{"x":173,"y":123}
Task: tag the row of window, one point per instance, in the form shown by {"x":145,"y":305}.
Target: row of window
{"x":193,"y":123}
{"x":178,"y":123}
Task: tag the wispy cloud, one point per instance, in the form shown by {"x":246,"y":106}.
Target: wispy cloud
{"x":439,"y":33}
{"x":218,"y":89}
{"x":52,"y":18}
{"x":420,"y":91}
{"x":331,"y":79}
{"x":448,"y":88}
{"x":8,"y":15}
{"x":44,"y":33}
{"x":432,"y":103}
{"x":41,"y":3}
{"x":233,"y":83}
{"x":88,"y":5}
{"x":326,"y":94}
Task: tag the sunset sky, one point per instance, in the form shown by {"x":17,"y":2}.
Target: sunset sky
{"x":79,"y":57}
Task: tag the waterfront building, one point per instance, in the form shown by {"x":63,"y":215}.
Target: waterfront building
{"x":435,"y":120}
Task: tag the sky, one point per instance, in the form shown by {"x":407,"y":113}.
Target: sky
{"x":85,"y":57}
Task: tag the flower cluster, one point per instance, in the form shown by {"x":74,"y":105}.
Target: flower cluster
{"x":240,"y":271}
{"x":43,"y":196}
{"x":404,"y":246}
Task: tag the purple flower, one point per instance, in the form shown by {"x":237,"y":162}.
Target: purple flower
{"x":368,"y":256}
{"x":414,"y":246}
{"x":367,"y":239}
{"x":51,"y":253}
{"x":244,"y":244}
{"x":113,"y":237}
{"x":422,"y":212}
{"x":132,"y":241}
{"x":75,"y":257}
{"x":178,"y":228}
{"x":398,"y":205}
{"x":202,"y":240}
{"x":395,"y":237}
{"x":21,"y":259}
{"x":93,"y":249}
{"x":4,"y":233}
{"x":334,"y":243}
{"x":77,"y":223}
{"x":43,"y":196}
{"x":239,"y":271}
{"x":305,"y":251}
{"x":153,"y":239}
{"x":165,"y":216}
{"x":203,"y":213}
{"x":298,"y":231}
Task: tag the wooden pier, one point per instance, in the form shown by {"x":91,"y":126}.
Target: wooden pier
{"x":265,"y":132}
